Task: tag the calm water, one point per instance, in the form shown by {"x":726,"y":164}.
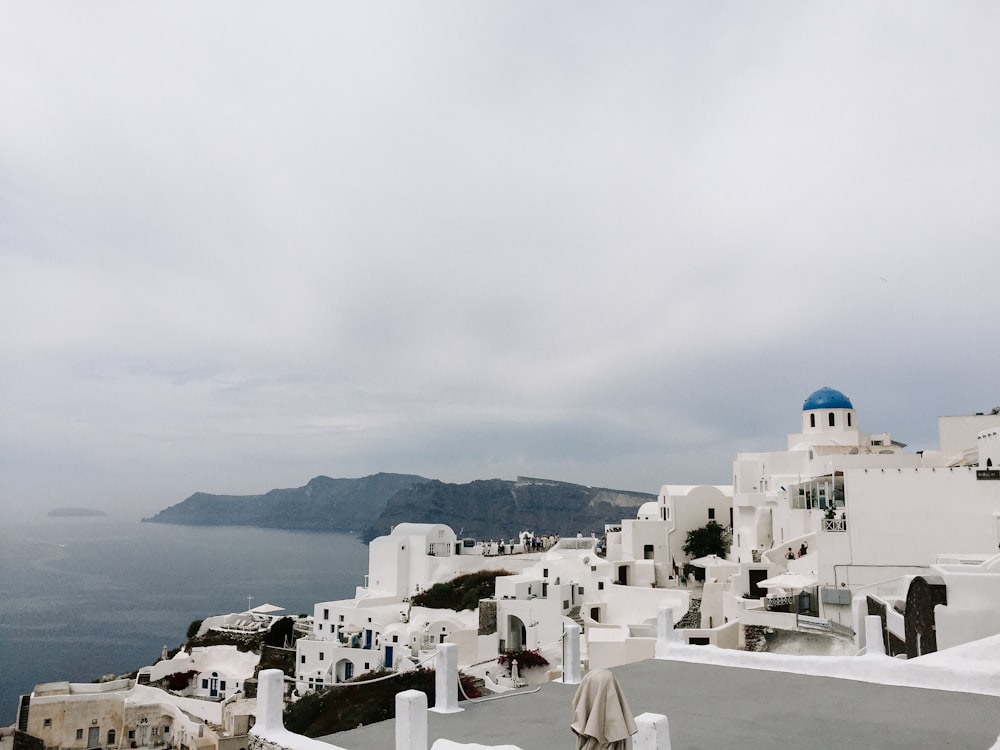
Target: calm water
{"x":82,"y":597}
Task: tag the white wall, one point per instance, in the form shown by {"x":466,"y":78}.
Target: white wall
{"x":973,"y":609}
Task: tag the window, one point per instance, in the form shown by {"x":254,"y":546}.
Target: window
{"x":302,"y":659}
{"x":395,"y":639}
{"x":79,"y":734}
{"x":579,"y":590}
{"x":47,"y":723}
{"x":833,"y":420}
{"x":322,"y":656}
{"x":204,"y":684}
{"x":341,"y":618}
{"x":155,"y":731}
{"x":812,"y":420}
{"x":848,"y":419}
{"x":600,"y":585}
{"x":326,"y":614}
{"x":111,"y":736}
{"x":711,"y":514}
{"x":166,"y":729}
{"x":222,"y":684}
{"x":131,"y":734}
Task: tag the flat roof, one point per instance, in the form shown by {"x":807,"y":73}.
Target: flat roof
{"x":713,"y":706}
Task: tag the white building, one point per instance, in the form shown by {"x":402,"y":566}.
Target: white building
{"x":862,"y":509}
{"x":120,"y":714}
{"x":649,"y":549}
{"x":378,"y":628}
{"x":214,"y":672}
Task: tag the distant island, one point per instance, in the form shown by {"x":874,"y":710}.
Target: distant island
{"x":74,"y":512}
{"x":371,"y":506}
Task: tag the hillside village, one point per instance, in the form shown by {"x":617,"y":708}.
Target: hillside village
{"x":842,"y":545}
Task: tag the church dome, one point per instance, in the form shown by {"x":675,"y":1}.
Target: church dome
{"x":827,"y":398}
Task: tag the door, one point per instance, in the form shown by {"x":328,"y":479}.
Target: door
{"x":388,"y":657}
{"x":94,"y":737}
{"x":755,"y":577}
{"x":213,"y":687}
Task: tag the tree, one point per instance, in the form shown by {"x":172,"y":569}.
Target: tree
{"x":710,"y":539}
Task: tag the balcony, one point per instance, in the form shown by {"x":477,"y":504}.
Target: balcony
{"x":834,"y":524}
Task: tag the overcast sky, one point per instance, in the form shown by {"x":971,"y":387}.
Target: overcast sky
{"x":243,"y":244}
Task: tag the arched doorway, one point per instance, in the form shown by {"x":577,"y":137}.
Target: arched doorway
{"x":345,"y":670}
{"x":517,"y":634}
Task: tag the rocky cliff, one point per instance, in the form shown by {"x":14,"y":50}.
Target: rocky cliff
{"x":494,"y":508}
{"x":371,"y":506}
{"x":324,"y":504}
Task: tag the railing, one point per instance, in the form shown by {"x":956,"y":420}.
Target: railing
{"x":834,"y":524}
{"x":816,"y":623}
{"x":773,"y":602}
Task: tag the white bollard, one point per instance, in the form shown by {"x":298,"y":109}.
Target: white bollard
{"x":270,"y":700}
{"x":446,"y":679}
{"x":666,"y":636}
{"x":411,"y":720}
{"x":571,"y":654}
{"x":653,"y":734}
{"x":874,"y":643}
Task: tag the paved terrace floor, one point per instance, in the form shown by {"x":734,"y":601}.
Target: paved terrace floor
{"x":712,"y":708}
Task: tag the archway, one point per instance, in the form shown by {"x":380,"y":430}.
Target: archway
{"x":517,"y":633}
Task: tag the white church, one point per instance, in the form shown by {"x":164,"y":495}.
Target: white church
{"x":843,"y":515}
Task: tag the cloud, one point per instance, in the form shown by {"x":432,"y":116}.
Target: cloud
{"x":243,"y":245}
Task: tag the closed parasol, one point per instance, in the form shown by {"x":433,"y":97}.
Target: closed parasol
{"x":602,"y":719}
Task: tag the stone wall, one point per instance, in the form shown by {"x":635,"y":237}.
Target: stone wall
{"x":487,"y":616}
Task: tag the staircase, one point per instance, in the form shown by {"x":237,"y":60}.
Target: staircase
{"x":471,"y":681}
{"x":22,"y":713}
{"x":692,"y":619}
{"x":574,"y":615}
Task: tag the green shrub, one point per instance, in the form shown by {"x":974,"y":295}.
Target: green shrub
{"x":461,"y":592}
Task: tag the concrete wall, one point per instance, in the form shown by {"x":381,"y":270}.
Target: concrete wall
{"x":972,"y":611}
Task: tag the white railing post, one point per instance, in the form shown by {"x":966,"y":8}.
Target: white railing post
{"x":571,"y":654}
{"x":411,"y":720}
{"x":666,"y":636}
{"x":446,"y":679}
{"x":874,"y":643}
{"x":270,"y":700}
{"x":653,"y":734}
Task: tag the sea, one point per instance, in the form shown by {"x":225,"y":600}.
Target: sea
{"x":85,"y":597}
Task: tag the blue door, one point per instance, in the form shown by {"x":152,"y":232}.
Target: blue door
{"x":388,"y":657}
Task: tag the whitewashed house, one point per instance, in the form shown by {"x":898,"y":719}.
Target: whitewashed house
{"x":378,"y":628}
{"x":216,"y":672}
{"x":649,"y":549}
{"x":861,"y":508}
{"x":571,"y":581}
{"x":121,"y":714}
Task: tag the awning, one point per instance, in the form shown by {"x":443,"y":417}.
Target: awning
{"x":264,"y":609}
{"x":793,"y":581}
{"x":704,"y":562}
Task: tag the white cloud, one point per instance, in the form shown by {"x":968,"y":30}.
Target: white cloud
{"x":241,"y":245}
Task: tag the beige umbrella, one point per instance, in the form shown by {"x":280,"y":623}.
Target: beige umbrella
{"x":602,"y":719}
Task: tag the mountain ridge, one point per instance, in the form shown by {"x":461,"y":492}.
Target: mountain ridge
{"x":372,"y":505}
